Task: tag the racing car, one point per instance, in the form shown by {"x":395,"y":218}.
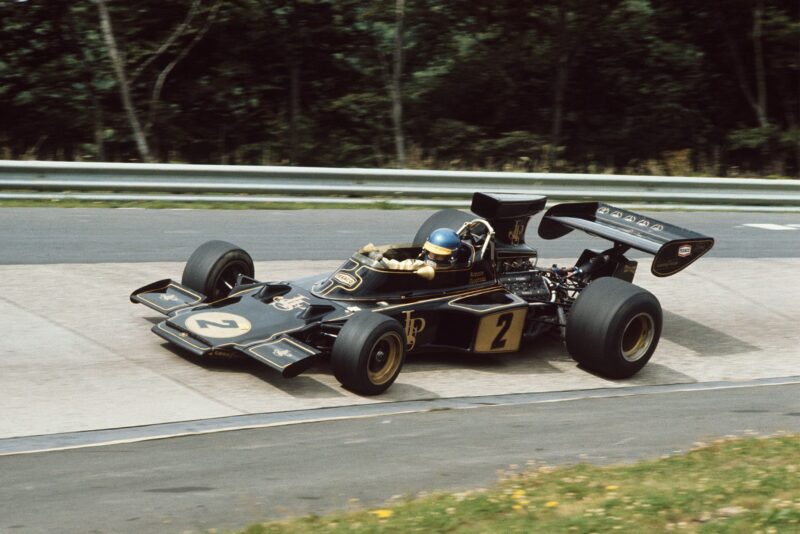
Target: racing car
{"x":385,"y":302}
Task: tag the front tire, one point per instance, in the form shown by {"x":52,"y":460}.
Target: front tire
{"x":368,"y":353}
{"x":614,"y":327}
{"x":213,"y":268}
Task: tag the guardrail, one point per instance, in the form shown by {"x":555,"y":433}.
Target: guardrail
{"x":234,"y":183}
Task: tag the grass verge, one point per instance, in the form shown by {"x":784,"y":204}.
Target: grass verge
{"x":730,"y":486}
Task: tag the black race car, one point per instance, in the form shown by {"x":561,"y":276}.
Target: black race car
{"x":383,"y":303}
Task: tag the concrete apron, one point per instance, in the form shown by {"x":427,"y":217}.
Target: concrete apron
{"x":76,"y":355}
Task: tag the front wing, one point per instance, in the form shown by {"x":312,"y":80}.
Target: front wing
{"x":167,"y":296}
{"x":279,"y":351}
{"x":285,"y":354}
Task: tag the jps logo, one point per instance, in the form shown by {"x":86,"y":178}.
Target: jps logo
{"x":168,"y":297}
{"x":298,"y":302}
{"x":515,"y":235}
{"x":414,"y":326}
{"x":281,"y":353}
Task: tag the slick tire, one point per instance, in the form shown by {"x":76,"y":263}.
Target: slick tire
{"x":452,"y":219}
{"x":369,"y":353}
{"x":212,"y":269}
{"x":613,"y":328}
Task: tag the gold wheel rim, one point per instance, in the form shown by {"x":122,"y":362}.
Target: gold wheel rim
{"x":384,"y":358}
{"x":637,"y":337}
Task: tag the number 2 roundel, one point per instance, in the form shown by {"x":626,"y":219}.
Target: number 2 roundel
{"x":500,"y":331}
{"x":218,"y":324}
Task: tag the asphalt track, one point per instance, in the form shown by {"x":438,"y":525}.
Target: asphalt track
{"x":77,"y":358}
{"x":227,"y":480}
{"x":60,"y":235}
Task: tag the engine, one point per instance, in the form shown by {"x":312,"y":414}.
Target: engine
{"x":516,"y":261}
{"x":519,"y":275}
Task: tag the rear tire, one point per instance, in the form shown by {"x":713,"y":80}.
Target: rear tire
{"x":614,"y":327}
{"x":212,"y":269}
{"x":452,"y":219}
{"x":369,"y":353}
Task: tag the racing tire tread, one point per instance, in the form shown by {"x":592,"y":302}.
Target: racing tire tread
{"x":208,"y":261}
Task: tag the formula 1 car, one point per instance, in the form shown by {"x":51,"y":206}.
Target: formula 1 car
{"x":383,"y":303}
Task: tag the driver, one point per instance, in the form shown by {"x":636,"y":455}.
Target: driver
{"x":438,"y":253}
{"x":441,"y":248}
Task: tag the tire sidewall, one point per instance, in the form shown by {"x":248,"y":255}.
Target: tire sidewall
{"x":352,"y":349}
{"x":618,"y":366}
{"x":596,"y":324}
{"x":209,"y":261}
{"x":223,"y":263}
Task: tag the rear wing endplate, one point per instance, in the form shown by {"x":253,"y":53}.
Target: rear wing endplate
{"x":674,"y":248}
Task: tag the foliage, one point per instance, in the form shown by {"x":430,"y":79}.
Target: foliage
{"x":736,"y":486}
{"x":571,"y":85}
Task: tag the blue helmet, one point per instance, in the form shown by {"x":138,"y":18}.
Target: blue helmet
{"x":442,"y":244}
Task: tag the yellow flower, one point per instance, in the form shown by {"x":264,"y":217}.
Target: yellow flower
{"x":382,"y":513}
{"x":517,"y":507}
{"x":518,"y":494}
{"x":612,"y":487}
{"x":551,"y":504}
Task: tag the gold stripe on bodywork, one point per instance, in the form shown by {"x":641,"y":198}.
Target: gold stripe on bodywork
{"x":284,"y":340}
{"x":334,"y":285}
{"x":397,"y":271}
{"x":359,"y":266}
{"x":265,"y":340}
{"x":451,"y":296}
{"x":198,"y":297}
{"x":252,"y":348}
{"x":180,"y":338}
{"x":240,"y":292}
{"x":475,"y":307}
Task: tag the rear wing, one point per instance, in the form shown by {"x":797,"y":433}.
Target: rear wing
{"x":674,"y":248}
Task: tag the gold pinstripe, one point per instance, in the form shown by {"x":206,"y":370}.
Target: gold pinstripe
{"x":182,"y":339}
{"x":458,"y":296}
{"x":287,"y":340}
{"x":198,"y":297}
{"x":469,"y":307}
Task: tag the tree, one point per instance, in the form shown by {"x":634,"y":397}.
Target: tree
{"x":661,"y":86}
{"x":396,"y":84}
{"x":121,"y":64}
{"x":118,"y":65}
